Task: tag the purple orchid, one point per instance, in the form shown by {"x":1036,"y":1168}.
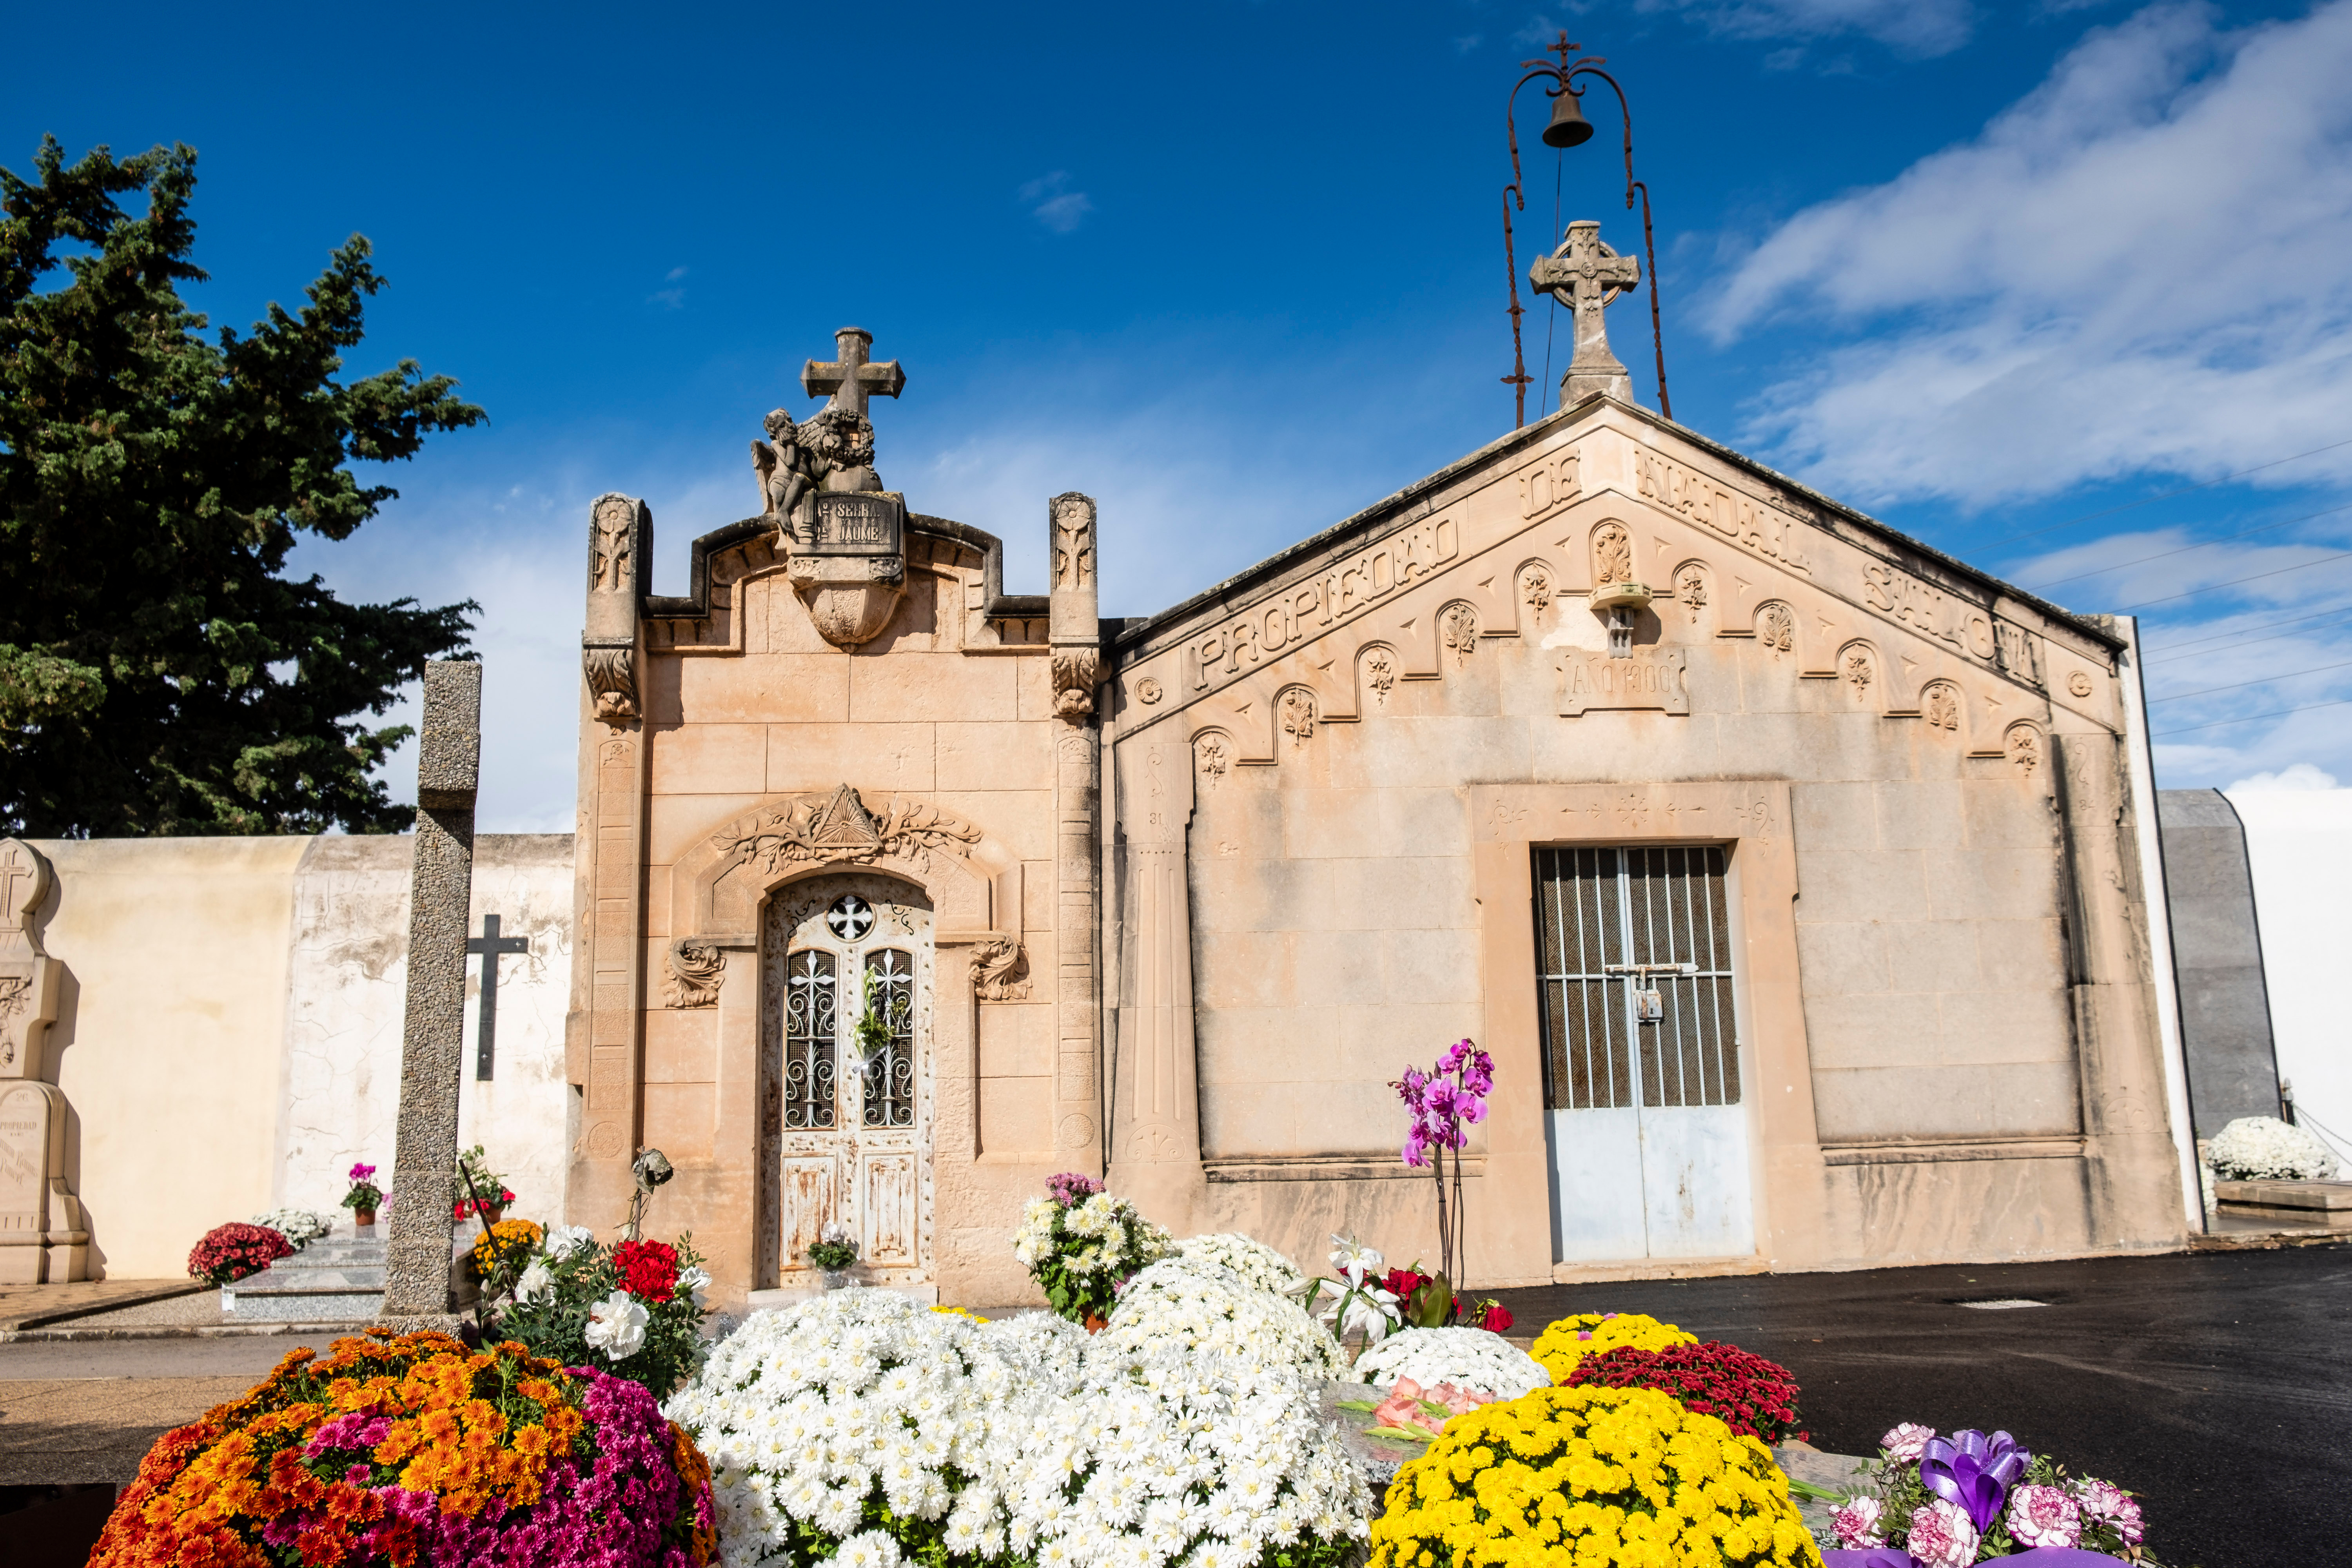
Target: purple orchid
{"x":1973,"y":1472}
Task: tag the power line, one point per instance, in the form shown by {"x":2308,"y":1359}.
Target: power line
{"x":2201,"y":544}
{"x":2298,"y":566}
{"x":2167,"y":648}
{"x":2249,"y":718}
{"x":2151,"y":500}
{"x":2239,"y":686}
{"x":2243,"y":641}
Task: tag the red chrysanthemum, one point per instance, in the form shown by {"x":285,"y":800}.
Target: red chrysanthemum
{"x":230,"y":1252}
{"x":1753,"y":1396}
{"x":648,"y":1268}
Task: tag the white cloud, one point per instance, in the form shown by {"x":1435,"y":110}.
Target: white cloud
{"x":1918,"y":29}
{"x":2139,"y":266}
{"x":2294,"y":776}
{"x":1056,"y":206}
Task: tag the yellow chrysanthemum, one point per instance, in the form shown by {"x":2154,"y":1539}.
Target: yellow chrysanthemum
{"x":1590,"y":1478}
{"x":1568,"y":1341}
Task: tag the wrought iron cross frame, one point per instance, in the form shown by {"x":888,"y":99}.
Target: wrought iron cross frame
{"x":1563,"y":75}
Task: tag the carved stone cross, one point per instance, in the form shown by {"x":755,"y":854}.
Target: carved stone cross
{"x":491,"y":946}
{"x":850,"y":378}
{"x":1589,"y":275}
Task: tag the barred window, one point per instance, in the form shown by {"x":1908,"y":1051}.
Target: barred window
{"x":1635,"y":961}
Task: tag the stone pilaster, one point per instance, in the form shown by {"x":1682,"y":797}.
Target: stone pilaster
{"x":1075,"y":631}
{"x":441,"y":880}
{"x":603,"y":1035}
{"x":1155,"y":1118}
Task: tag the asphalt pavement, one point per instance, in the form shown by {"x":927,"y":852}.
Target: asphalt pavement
{"x":2216,"y":1386}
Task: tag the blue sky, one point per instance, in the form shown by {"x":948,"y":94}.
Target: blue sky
{"x":1984,"y":271}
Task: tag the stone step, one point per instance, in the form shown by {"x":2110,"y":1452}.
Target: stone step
{"x":2324,"y":1196}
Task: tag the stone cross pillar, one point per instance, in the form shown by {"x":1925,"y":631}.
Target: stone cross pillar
{"x":441,"y":884}
{"x":43,"y":1240}
{"x":601,"y":1034}
{"x":1075,"y":630}
{"x":1589,"y":275}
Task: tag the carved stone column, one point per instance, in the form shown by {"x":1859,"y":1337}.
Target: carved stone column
{"x":1155,"y":1148}
{"x":1075,"y":631}
{"x":43,"y":1239}
{"x":601,"y":1037}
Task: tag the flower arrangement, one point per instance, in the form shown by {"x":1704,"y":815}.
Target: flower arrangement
{"x":364,"y":1196}
{"x":300,"y":1227}
{"x":1753,"y":1396}
{"x":835,"y":1248}
{"x":1179,"y":1455}
{"x":1562,"y":1345}
{"x":1445,"y":1104}
{"x":859,"y":1427}
{"x":2265,"y":1149}
{"x":481,"y":1191}
{"x":1596,"y":1477}
{"x":1951,"y":1502}
{"x":1360,"y":1301}
{"x":1190,"y":1305}
{"x":1471,"y":1359}
{"x":634,"y":1308}
{"x":1257,"y":1264}
{"x":412,"y":1451}
{"x":510,"y":1241}
{"x":1081,"y":1245}
{"x":229,"y":1252}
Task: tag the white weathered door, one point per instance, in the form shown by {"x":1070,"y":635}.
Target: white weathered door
{"x":846,"y":1013}
{"x":1641,"y":1056}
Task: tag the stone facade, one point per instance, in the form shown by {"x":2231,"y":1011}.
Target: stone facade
{"x":1180,"y":896}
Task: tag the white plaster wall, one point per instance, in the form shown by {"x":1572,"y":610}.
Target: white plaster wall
{"x":167,"y":1039}
{"x":343,"y":1018}
{"x":2299,"y":844}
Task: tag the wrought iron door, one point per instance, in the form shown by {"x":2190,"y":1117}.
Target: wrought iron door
{"x":1641,"y":1052}
{"x":846,"y":966}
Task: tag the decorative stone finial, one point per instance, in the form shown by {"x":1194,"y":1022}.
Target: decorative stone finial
{"x":1590,"y":277}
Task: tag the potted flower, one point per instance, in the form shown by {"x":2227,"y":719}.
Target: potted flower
{"x":481,"y":1191}
{"x":835,"y":1250}
{"x":365,"y":1197}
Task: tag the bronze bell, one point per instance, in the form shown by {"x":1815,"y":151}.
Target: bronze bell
{"x":1568,"y":128}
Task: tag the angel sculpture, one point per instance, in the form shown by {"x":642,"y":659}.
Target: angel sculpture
{"x":783,"y":469}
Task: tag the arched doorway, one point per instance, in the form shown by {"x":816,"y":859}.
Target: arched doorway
{"x":846,"y":966}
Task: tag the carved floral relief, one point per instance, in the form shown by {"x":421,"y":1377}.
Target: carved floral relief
{"x":1857,"y":669}
{"x":1534,"y":587}
{"x":1457,"y":628}
{"x":1940,"y":707}
{"x":1379,"y":671}
{"x":1213,"y":756}
{"x":839,"y":827}
{"x":697,"y":968}
{"x":1690,"y":589}
{"x":1776,"y":627}
{"x":1612,"y":554}
{"x":1299,"y":715}
{"x":2023,"y":745}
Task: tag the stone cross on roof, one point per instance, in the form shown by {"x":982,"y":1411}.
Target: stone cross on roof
{"x":1589,"y":275}
{"x":850,"y":378}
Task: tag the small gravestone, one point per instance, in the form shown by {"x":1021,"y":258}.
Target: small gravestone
{"x":425,"y":1151}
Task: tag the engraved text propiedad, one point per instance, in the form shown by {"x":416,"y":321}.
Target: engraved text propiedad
{"x":1340,"y":594}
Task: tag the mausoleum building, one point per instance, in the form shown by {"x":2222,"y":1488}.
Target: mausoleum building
{"x":1796,"y":876}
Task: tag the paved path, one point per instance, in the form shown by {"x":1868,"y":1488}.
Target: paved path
{"x":89,"y":1410}
{"x":2217,"y":1385}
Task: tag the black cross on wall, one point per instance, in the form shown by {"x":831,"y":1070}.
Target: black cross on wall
{"x":491,"y":945}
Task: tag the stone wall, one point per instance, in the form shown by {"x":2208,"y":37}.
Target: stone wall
{"x":228,"y":1029}
{"x":2218,"y":952}
{"x":2299,"y":846}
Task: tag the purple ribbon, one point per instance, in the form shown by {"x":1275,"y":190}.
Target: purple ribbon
{"x":1973,"y":1472}
{"x":1896,"y":1557}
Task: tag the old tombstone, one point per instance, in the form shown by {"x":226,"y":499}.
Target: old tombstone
{"x":1588,"y":276}
{"x":42,"y":1237}
{"x":424,"y":1154}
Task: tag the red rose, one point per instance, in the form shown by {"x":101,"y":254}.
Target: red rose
{"x":648,"y":1268}
{"x":1497,"y":1319}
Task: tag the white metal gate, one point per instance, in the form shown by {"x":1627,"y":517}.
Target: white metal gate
{"x":1642,"y":1055}
{"x":847,"y":1123}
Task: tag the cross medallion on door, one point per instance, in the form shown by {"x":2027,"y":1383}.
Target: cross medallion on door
{"x":850,"y":917}
{"x":491,"y":945}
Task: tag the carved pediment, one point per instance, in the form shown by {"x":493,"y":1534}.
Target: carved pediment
{"x":812,"y":828}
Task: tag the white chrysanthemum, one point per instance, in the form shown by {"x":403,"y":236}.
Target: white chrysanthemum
{"x":1253,"y":1260}
{"x":2265,"y":1149}
{"x":1470,"y":1358}
{"x":1196,"y":1305}
{"x":300,"y":1227}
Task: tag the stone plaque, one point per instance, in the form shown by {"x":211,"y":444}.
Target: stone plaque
{"x":856,"y":522}
{"x":1652,"y":678}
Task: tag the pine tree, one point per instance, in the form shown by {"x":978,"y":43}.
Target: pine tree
{"x":159,"y":674}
